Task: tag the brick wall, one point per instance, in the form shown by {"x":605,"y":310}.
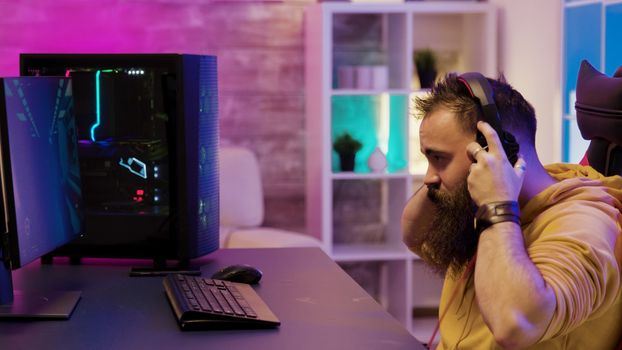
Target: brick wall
{"x":260,"y":51}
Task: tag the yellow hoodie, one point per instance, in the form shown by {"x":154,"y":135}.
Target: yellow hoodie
{"x":571,"y":230}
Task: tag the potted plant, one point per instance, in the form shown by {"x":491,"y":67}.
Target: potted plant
{"x":425,"y":63}
{"x":346,"y":147}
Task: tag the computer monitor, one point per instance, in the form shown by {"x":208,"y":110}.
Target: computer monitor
{"x":148,"y":149}
{"x":41,"y":192}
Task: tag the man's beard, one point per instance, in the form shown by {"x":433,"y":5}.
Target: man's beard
{"x":451,"y":240}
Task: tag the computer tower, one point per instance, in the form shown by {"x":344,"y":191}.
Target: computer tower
{"x":148,"y":149}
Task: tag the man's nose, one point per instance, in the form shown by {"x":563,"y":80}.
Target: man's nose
{"x":431,"y":178}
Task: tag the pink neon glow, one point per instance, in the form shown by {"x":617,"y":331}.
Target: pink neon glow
{"x":67,"y":73}
{"x":118,"y":27}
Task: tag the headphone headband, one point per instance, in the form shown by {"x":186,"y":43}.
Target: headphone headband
{"x":480,"y":89}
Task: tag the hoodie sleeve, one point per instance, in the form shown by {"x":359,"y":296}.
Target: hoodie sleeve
{"x":574,"y":251}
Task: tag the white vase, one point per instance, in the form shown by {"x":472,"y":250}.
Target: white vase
{"x":377,"y":161}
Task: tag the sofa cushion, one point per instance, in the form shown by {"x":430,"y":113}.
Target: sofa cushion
{"x":241,"y":194}
{"x":266,"y":238}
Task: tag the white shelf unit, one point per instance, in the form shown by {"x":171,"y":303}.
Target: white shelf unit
{"x":350,"y":35}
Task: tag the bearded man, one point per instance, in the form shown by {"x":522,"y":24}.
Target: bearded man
{"x":527,"y":251}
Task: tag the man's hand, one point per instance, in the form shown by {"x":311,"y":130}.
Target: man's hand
{"x":491,"y":176}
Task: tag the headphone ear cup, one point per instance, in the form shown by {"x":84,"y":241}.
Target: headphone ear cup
{"x":510,"y":146}
{"x":508,"y":141}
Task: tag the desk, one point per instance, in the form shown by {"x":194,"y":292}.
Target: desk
{"x":319,"y":305}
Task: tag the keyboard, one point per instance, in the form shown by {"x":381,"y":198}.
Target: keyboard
{"x":203,"y":303}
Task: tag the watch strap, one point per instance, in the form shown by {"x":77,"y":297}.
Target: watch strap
{"x":496,"y":212}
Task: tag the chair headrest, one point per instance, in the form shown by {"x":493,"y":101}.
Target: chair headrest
{"x":599,"y":104}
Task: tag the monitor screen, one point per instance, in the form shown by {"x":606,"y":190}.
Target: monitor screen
{"x":41,"y":189}
{"x":41,"y":173}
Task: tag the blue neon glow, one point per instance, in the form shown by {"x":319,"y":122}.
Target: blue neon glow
{"x":97,"y":109}
{"x":368,"y":120}
{"x":142,"y":172}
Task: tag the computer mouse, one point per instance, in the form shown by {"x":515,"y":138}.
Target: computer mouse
{"x":239,"y":273}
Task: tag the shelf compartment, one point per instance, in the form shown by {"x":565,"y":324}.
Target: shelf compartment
{"x":376,"y":121}
{"x":366,"y":214}
{"x":462,"y":41}
{"x":368,"y":50}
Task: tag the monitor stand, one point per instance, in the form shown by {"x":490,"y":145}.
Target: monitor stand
{"x":41,"y":306}
{"x":160,"y":268}
{"x":35,"y":305}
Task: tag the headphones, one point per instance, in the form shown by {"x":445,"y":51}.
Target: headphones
{"x":481,"y":91}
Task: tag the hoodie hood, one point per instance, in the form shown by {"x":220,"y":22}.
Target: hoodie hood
{"x":579,"y":182}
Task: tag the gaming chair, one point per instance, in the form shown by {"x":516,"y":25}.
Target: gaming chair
{"x":599,"y":116}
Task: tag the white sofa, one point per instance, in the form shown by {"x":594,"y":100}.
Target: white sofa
{"x":242,"y":206}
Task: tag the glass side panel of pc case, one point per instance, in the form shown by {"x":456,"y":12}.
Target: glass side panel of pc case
{"x":122,"y":115}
